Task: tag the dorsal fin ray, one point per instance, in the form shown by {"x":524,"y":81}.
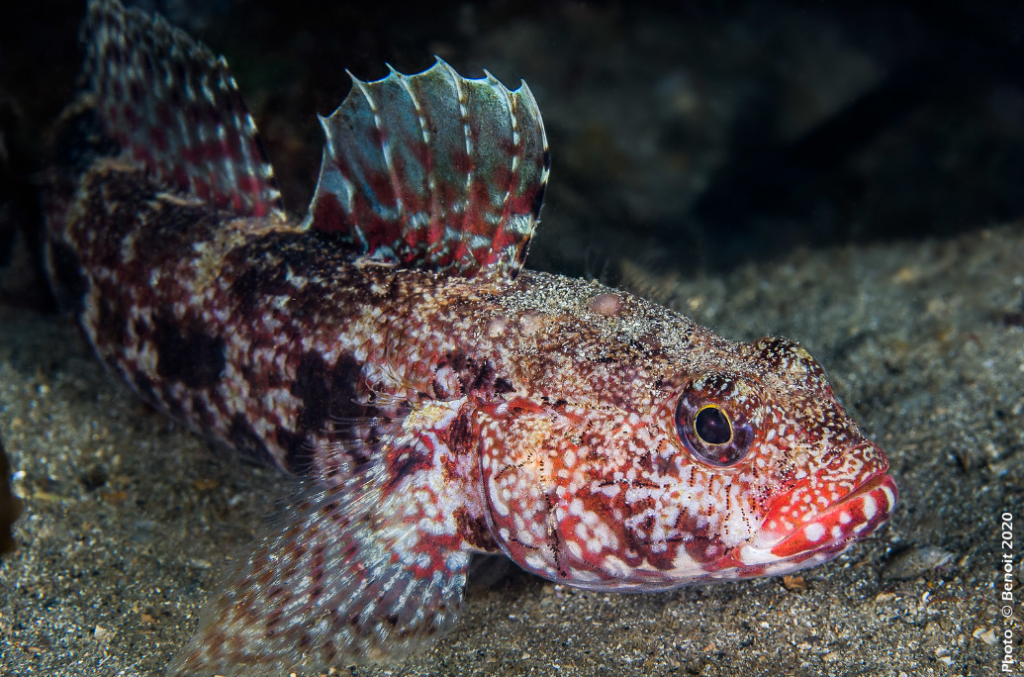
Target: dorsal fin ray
{"x":175,"y":107}
{"x":434,"y":171}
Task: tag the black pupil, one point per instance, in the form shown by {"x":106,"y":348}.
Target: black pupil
{"x":712,"y":427}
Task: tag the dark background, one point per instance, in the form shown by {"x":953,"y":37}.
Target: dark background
{"x":685,"y":136}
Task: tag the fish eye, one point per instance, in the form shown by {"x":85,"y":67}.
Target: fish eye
{"x":712,"y":425}
{"x":711,"y":433}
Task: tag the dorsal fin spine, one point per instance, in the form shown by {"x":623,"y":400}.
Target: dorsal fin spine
{"x":514,"y":173}
{"x":385,"y":143}
{"x":461,"y":248}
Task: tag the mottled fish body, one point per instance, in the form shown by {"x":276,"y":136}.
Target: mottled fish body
{"x":436,"y":399}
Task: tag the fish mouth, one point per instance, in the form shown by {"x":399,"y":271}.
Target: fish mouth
{"x":828,"y":533}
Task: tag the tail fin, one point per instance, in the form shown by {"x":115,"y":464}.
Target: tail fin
{"x":434,"y":171}
{"x":175,"y":107}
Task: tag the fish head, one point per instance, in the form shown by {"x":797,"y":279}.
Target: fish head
{"x":738,"y":462}
{"x":787,"y":478}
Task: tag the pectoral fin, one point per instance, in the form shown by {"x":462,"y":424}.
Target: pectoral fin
{"x":351,"y":577}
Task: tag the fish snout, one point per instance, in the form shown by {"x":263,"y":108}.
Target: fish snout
{"x":827,"y":512}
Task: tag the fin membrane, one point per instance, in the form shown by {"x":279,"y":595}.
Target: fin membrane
{"x":434,"y":171}
{"x":354,"y":577}
{"x":168,"y":100}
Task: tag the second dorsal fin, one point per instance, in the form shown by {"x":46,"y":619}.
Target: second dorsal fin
{"x":174,"y":107}
{"x":434,"y":171}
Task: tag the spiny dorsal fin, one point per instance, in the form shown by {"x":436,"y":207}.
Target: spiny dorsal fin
{"x":175,"y":107}
{"x":434,"y":171}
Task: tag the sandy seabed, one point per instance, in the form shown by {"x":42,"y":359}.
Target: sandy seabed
{"x":129,"y":520}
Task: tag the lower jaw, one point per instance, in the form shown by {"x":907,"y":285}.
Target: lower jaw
{"x":833,"y":531}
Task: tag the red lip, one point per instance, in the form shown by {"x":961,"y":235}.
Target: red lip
{"x":854,"y":517}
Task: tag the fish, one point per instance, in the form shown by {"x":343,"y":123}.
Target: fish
{"x":430,"y":397}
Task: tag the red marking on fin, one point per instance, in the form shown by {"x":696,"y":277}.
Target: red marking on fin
{"x":434,"y":171}
{"x":174,"y":105}
{"x":352,"y":577}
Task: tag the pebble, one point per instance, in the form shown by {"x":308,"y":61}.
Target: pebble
{"x":8,"y":505}
{"x":915,"y":562}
